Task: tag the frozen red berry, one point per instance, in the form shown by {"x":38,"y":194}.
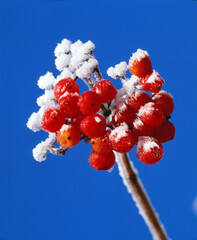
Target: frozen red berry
{"x":93,"y":125}
{"x":77,"y":120}
{"x":65,"y":85}
{"x":52,"y":120}
{"x":68,"y":104}
{"x":68,"y":136}
{"x":101,"y":161}
{"x":140,"y":64}
{"x":89,"y":103}
{"x":123,"y":114}
{"x":141,"y":129}
{"x":151,"y":82}
{"x":106,"y":90}
{"x":165,"y":132}
{"x":149,"y":150}
{"x":122,"y":139}
{"x":102,"y":144}
{"x":151,"y":114}
{"x":137,"y":99}
{"x":165,"y":101}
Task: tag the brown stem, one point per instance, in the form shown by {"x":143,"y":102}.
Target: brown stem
{"x":135,"y":188}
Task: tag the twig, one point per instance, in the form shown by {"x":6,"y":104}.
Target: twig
{"x":135,"y":188}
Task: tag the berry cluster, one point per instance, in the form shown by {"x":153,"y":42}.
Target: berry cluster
{"x":114,"y":120}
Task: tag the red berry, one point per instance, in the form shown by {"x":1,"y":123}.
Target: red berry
{"x":89,"y":103}
{"x":93,"y":125}
{"x":122,"y":139}
{"x":102,"y":161}
{"x":123,"y":114}
{"x":68,"y":104}
{"x":151,"y":114}
{"x":141,"y":129}
{"x":140,"y":64}
{"x":106,"y":90}
{"x":52,"y":120}
{"x":165,"y":101}
{"x":165,"y":132}
{"x":68,"y":136}
{"x":65,"y":85}
{"x":151,"y":82}
{"x":77,"y":120}
{"x":137,"y":99}
{"x":102,"y":144}
{"x":149,"y":150}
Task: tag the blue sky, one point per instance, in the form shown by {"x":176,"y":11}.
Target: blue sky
{"x":63,"y":198}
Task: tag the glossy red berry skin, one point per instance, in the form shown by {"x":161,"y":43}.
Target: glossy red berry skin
{"x":65,"y":85}
{"x":141,"y":129}
{"x":102,"y":144}
{"x":68,"y":136}
{"x":100,"y":161}
{"x":52,"y":120}
{"x":106,"y":90}
{"x":151,"y":114}
{"x":137,"y":99}
{"x":149,"y":150}
{"x":122,"y":140}
{"x":77,"y":120}
{"x":140,"y":67}
{"x":165,"y":132}
{"x":123,"y":114}
{"x":89,"y":103}
{"x":165,"y":101}
{"x":68,"y":105}
{"x":93,"y":125}
{"x":152,"y":82}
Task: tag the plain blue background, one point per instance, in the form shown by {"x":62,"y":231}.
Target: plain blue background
{"x":63,"y":197}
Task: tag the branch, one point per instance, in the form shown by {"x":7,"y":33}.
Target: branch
{"x":135,"y":188}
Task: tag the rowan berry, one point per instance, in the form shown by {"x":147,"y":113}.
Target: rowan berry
{"x":137,"y":99}
{"x":141,"y":129}
{"x":149,"y":150}
{"x":101,"y":161}
{"x":65,"y":85}
{"x":52,"y":120}
{"x":165,"y":132}
{"x":89,"y":103}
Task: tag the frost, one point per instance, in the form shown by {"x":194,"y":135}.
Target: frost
{"x":118,"y":71}
{"x":158,"y":95}
{"x":62,"y":61}
{"x":47,"y":96}
{"x":46,"y":81}
{"x":130,"y":85}
{"x":34,"y":122}
{"x":63,"y":47}
{"x":119,"y":132}
{"x":65,"y":127}
{"x":147,"y":108}
{"x":66,"y":73}
{"x":86,"y":70}
{"x":139,"y":55}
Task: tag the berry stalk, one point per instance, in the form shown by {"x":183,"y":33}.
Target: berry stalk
{"x":135,"y":188}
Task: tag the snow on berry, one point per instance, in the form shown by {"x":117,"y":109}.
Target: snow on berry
{"x":140,"y":64}
{"x":149,"y":150}
{"x":137,"y":99}
{"x":118,"y":71}
{"x":151,"y":82}
{"x":101,"y":161}
{"x":141,"y":129}
{"x":106,"y":90}
{"x":151,"y":114}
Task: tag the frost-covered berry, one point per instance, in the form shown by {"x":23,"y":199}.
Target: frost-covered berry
{"x":68,"y":104}
{"x":165,"y":101}
{"x":106,"y":90}
{"x":68,"y":136}
{"x":123,"y":114}
{"x":77,"y":120}
{"x":141,"y":129}
{"x":101,"y":161}
{"x":122,"y":139}
{"x":140,"y":64}
{"x":165,"y":132}
{"x":65,"y":85}
{"x":149,"y":150}
{"x":102,"y":144}
{"x":89,"y":102}
{"x":137,"y":99}
{"x":151,"y":82}
{"x":151,"y":114}
{"x":52,"y":120}
{"x":93,"y":125}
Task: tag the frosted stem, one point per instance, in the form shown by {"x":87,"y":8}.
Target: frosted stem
{"x":140,"y":197}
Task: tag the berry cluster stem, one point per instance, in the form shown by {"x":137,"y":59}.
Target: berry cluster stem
{"x":135,"y":188}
